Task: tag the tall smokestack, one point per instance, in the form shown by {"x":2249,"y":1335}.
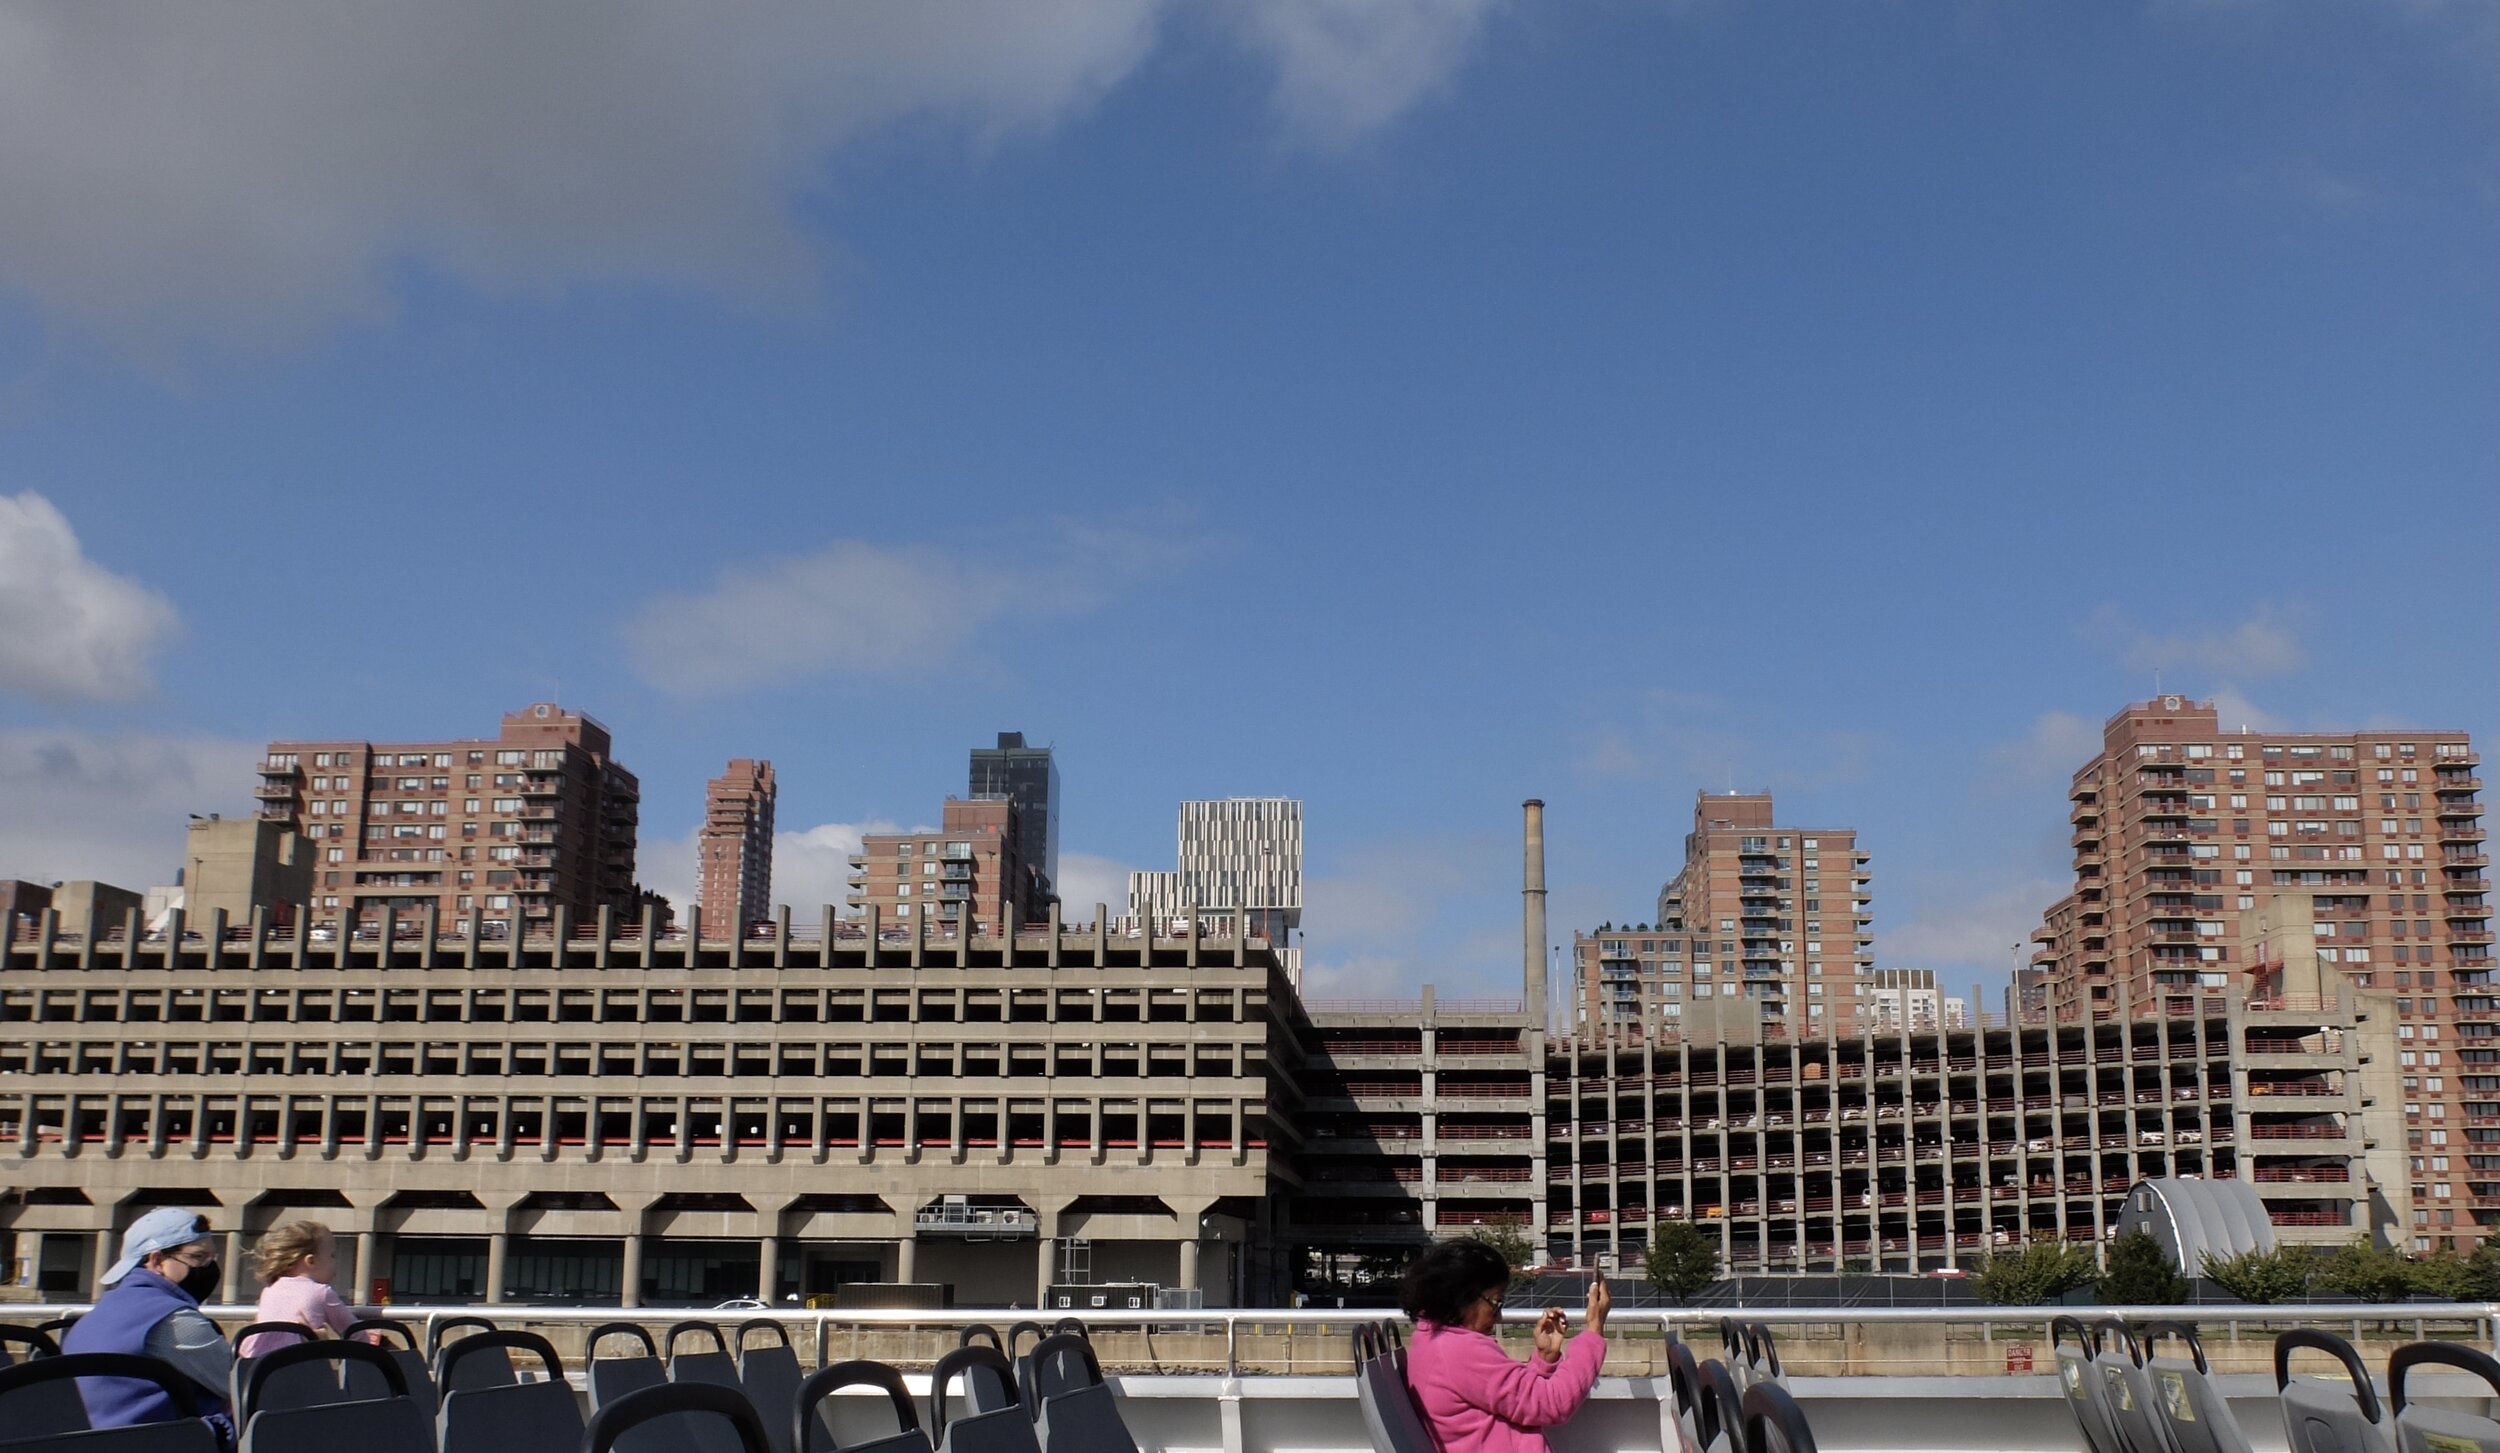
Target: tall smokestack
{"x":1532,"y":895}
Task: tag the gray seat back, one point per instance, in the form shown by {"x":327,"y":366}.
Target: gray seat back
{"x":41,"y":1407}
{"x":527,"y":1415}
{"x":491,"y":1370}
{"x":2322,"y":1416}
{"x":1679,"y":1412}
{"x":996,"y":1430}
{"x":391,"y":1424}
{"x":2190,"y":1407}
{"x":2421,"y":1428}
{"x":811,"y":1424}
{"x":33,"y":1417}
{"x":1721,"y":1409}
{"x":2118,"y":1369}
{"x":1391,"y":1417}
{"x":363,"y":1382}
{"x":1732,"y":1353}
{"x":1773,"y":1421}
{"x":2072,"y":1349}
{"x":770,"y":1373}
{"x":1762,"y":1353}
{"x":679,"y":1408}
{"x":716,"y":1367}
{"x":307,"y":1375}
{"x":1075,"y":1411}
{"x":611,"y":1378}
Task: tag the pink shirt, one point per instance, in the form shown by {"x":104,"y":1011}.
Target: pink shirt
{"x":297,"y":1299}
{"x":1476,"y":1400}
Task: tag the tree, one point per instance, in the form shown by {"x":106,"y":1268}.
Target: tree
{"x":2042,"y":1271}
{"x":2482,"y":1267}
{"x":1683,"y":1260}
{"x":2280,"y":1275}
{"x":1507,"y":1234}
{"x":2368,"y":1273}
{"x":2446,"y":1278}
{"x":2140,"y":1274}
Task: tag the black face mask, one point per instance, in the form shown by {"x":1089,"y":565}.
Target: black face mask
{"x":200,"y":1282}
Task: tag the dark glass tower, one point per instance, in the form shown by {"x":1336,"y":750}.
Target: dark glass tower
{"x":1028,"y":775}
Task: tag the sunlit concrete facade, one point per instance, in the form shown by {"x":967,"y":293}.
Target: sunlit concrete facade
{"x":628,"y":1115}
{"x":1903,"y":1151}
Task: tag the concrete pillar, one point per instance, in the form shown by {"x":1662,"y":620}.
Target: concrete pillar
{"x":107,"y":1247}
{"x":30,"y":1246}
{"x":768,"y":1269}
{"x":629,"y":1286}
{"x":368,"y":1266}
{"x":498,"y":1255}
{"x":905,"y":1254}
{"x":1046,"y":1248}
{"x":240,"y":1284}
{"x":1189,"y":1259}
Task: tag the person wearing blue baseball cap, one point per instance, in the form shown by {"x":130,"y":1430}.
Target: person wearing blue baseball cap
{"x":151,"y":1307}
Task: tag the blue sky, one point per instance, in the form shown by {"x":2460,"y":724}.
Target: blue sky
{"x":1406,"y":407}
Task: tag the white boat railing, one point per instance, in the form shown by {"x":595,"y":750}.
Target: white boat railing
{"x":1816,"y":1342}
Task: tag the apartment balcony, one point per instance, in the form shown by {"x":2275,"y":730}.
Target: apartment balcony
{"x":277,"y":790}
{"x":2461,"y":831}
{"x":542,"y":784}
{"x":2458,"y":783}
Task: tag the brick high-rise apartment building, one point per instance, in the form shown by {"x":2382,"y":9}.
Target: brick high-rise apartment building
{"x":968,"y":868}
{"x":736,"y":846}
{"x":2185,"y":832}
{"x":538,"y":818}
{"x":1780,"y":916}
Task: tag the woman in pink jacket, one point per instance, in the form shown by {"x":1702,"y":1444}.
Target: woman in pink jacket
{"x":1475,"y":1399}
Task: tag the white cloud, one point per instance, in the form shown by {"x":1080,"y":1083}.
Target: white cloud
{"x":1970,"y":932}
{"x":811,"y":867}
{"x":1086,"y":879}
{"x":112,"y":808}
{"x":2233,"y":711}
{"x":2058,"y":743}
{"x":255,"y":173}
{"x":1701,"y":741}
{"x":1394,"y":915}
{"x":2266,"y":644}
{"x":1344,"y":68}
{"x":68,"y":626}
{"x":856,"y":606}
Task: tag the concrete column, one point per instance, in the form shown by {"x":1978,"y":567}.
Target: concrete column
{"x":629,"y":1289}
{"x":240,"y":1285}
{"x":1189,"y":1259}
{"x":767,"y":1269}
{"x":1045,"y":1249}
{"x":107,"y":1247}
{"x":30,"y":1246}
{"x":905,"y":1253}
{"x":498,"y":1254}
{"x":368,"y":1266}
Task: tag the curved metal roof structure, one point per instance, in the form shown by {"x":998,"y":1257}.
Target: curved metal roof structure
{"x":2191,"y":1218}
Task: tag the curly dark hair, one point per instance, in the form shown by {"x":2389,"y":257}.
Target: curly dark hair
{"x":1447,"y":1279}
